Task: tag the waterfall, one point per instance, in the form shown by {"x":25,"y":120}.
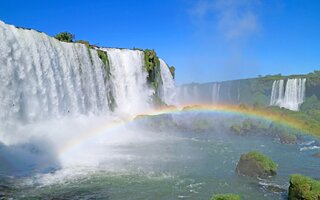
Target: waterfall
{"x":215,"y":92}
{"x":290,"y":97}
{"x":129,"y":81}
{"x":168,"y":87}
{"x":41,"y":77}
{"x":54,"y":93}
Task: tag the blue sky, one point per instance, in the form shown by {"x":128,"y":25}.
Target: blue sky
{"x":206,"y":40}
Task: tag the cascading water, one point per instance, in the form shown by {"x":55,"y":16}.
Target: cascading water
{"x":52,"y":93}
{"x":129,"y":81}
{"x":42,"y":78}
{"x":215,"y":92}
{"x":168,"y":87}
{"x":290,"y":97}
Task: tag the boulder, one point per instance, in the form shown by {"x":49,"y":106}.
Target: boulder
{"x":304,"y":188}
{"x":255,"y":164}
{"x":287,"y":138}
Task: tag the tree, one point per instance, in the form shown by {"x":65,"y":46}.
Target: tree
{"x":65,"y":37}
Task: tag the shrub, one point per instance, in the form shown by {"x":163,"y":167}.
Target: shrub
{"x":172,"y":71}
{"x":303,"y":187}
{"x":65,"y":37}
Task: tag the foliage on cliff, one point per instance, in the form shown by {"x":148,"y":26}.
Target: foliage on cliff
{"x":65,"y":37}
{"x":172,"y":71}
{"x":152,"y":65}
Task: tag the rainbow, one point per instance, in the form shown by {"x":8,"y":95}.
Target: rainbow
{"x":257,"y":113}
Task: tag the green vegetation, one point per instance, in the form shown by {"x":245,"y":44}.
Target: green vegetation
{"x":248,"y":126}
{"x":84,"y":42}
{"x":302,"y":187}
{"x":172,"y":71}
{"x":256,"y":164}
{"x":226,"y":197}
{"x":104,"y":57}
{"x":307,"y":120}
{"x":256,"y":91}
{"x":65,"y":37}
{"x":152,"y":65}
{"x":264,"y":160}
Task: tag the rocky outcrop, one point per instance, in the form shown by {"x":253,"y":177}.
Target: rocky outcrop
{"x":304,"y":188}
{"x":255,"y":164}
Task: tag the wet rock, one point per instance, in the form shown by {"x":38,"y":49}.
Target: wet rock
{"x":287,"y":138}
{"x":255,"y":164}
{"x":273,"y":188}
{"x":304,"y":188}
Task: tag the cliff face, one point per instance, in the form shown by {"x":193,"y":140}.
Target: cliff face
{"x":255,"y":91}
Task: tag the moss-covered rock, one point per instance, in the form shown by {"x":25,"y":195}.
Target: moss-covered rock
{"x":303,"y":188}
{"x":256,"y":164}
{"x":287,"y":138}
{"x":236,"y":128}
{"x":248,"y":126}
{"x":284,"y":134}
{"x":226,"y":197}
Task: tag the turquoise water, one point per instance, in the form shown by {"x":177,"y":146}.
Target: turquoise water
{"x":170,"y":163}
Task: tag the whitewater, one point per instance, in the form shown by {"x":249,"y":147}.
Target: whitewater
{"x":51,"y":92}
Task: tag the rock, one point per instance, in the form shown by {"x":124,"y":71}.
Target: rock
{"x":316,"y":155}
{"x":273,"y":188}
{"x":304,"y":188}
{"x":287,"y":138}
{"x":226,"y":197}
{"x":255,"y":164}
{"x":236,"y":129}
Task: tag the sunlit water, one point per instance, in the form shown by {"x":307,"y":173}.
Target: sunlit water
{"x":133,"y":161}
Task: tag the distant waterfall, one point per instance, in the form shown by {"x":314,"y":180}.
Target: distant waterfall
{"x":290,"y":96}
{"x":42,"y":78}
{"x":215,"y":92}
{"x":168,"y":88}
{"x":199,"y":93}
